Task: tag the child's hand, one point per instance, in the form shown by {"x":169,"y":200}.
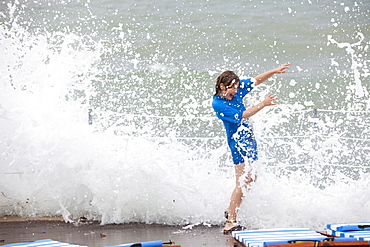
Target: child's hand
{"x":281,"y":69}
{"x":270,"y":100}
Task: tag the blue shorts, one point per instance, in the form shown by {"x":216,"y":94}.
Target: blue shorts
{"x":243,"y":144}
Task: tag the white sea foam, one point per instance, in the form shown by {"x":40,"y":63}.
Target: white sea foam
{"x":120,"y":169}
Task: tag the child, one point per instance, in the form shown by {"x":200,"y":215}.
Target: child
{"x":229,"y":107}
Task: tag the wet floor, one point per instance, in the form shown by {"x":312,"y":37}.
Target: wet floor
{"x":94,"y":234}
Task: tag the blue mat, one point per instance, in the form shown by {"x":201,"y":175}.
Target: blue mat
{"x":360,"y":226}
{"x":359,"y":231}
{"x":52,"y":243}
{"x":265,"y":237}
{"x":44,"y":243}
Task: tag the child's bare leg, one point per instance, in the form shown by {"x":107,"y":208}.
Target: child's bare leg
{"x":237,"y":194}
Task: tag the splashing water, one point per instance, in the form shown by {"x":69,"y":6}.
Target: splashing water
{"x":155,"y":153}
{"x":356,"y":62}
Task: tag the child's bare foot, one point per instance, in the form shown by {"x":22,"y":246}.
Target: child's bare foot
{"x":231,"y":226}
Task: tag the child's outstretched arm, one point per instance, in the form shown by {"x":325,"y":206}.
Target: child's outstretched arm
{"x":264,"y":76}
{"x":269,"y":100}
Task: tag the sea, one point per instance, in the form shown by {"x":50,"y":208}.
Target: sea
{"x":105,"y":110}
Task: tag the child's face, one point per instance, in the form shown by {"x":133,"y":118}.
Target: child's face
{"x":231,"y":90}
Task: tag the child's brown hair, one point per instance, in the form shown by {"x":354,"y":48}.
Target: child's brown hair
{"x":227,"y":78}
